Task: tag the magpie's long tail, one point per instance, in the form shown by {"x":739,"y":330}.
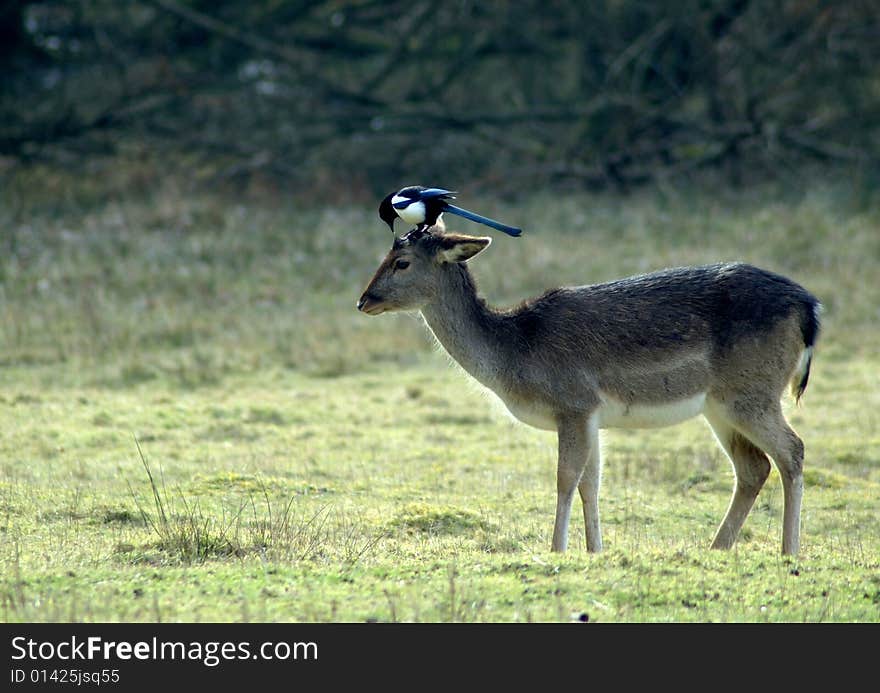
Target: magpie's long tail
{"x":509,"y":230}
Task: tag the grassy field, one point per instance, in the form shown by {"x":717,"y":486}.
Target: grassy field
{"x":197,"y":425}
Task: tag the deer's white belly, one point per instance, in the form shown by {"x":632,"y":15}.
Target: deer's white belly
{"x":532,"y":414}
{"x":615,"y":414}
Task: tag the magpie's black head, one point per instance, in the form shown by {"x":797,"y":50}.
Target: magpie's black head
{"x":413,"y":192}
{"x":387,"y":213}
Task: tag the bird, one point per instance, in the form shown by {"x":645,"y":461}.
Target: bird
{"x":422,"y":206}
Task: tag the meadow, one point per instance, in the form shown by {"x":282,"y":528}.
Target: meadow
{"x":197,"y":425}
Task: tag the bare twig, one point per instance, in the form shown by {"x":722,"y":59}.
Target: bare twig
{"x":262,"y":45}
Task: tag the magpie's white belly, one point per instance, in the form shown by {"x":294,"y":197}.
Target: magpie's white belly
{"x":411,"y":214}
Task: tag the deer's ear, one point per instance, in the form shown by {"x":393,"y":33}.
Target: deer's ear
{"x":458,"y":248}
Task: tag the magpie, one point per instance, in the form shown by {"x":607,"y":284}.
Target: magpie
{"x":422,"y":206}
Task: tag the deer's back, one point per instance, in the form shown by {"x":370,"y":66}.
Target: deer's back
{"x":711,"y":307}
{"x":659,"y":337}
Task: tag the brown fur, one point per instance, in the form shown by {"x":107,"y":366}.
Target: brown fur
{"x":721,"y":340}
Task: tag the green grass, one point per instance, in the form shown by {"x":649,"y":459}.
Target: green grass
{"x":197,"y":425}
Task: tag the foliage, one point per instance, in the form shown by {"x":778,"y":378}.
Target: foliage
{"x":367,"y":95}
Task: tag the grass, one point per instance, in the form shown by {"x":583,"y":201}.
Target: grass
{"x":198,"y":426}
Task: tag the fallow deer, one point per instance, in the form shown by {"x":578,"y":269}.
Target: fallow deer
{"x":721,"y":340}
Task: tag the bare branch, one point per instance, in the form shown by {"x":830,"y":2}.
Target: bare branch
{"x":266,"y":47}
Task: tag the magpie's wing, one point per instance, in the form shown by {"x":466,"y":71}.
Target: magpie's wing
{"x":429,"y":193}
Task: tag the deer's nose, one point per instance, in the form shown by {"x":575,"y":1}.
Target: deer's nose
{"x":370,"y":304}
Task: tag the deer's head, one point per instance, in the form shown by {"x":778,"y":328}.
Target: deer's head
{"x":410,"y":276}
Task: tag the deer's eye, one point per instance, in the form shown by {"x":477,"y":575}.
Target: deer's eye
{"x":401,"y":264}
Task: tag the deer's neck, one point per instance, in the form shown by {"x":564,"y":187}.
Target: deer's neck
{"x":467,"y":327}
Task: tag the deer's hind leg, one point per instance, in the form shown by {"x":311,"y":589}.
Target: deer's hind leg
{"x":762,"y":424}
{"x":751,"y":467}
{"x":773,"y":434}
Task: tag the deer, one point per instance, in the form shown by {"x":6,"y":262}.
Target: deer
{"x":723,"y":341}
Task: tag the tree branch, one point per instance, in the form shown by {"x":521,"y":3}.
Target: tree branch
{"x":266,"y":47}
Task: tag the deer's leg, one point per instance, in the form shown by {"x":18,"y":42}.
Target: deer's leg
{"x":773,"y":434}
{"x":751,"y":468}
{"x":588,"y":487}
{"x":574,"y":450}
{"x":764,"y":425}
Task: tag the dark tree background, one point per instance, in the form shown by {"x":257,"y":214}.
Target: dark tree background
{"x":369,"y":93}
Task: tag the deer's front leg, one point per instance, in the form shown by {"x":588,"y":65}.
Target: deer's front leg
{"x":574,"y":452}
{"x":589,"y":487}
